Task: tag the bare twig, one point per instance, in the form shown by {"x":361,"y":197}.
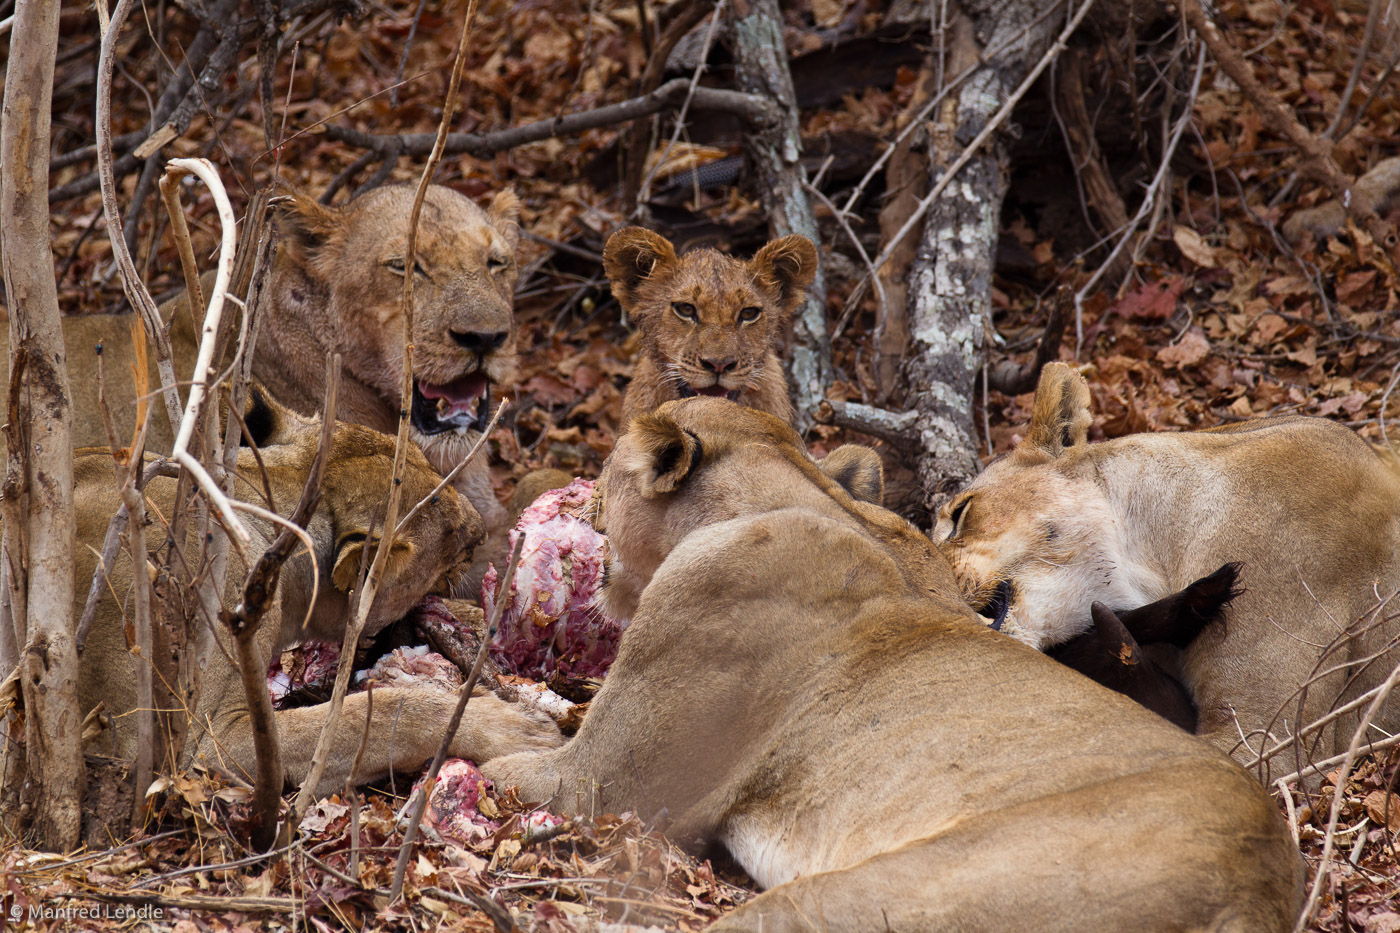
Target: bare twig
{"x":365,"y":594}
{"x":353,"y":864}
{"x":748,"y":106}
{"x":899,"y":428}
{"x":420,"y":800}
{"x":991,"y":127}
{"x":1315,"y":152}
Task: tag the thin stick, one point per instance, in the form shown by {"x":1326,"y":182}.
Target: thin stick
{"x":180,"y":230}
{"x":420,"y":800}
{"x":1315,"y":893}
{"x":353,"y":865}
{"x":461,"y":465}
{"x":206,"y":172}
{"x":1148,"y":201}
{"x":992,"y":126}
{"x":366,"y":594}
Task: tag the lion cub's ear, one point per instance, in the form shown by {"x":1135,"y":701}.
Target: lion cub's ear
{"x":786,"y":266}
{"x":269,"y":422}
{"x":631,"y":255}
{"x":1060,"y":417}
{"x":349,"y":552}
{"x":857,"y":470}
{"x":505,"y":215}
{"x":659,"y":452}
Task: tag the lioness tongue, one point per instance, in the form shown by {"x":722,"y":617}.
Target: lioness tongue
{"x":457,"y":396}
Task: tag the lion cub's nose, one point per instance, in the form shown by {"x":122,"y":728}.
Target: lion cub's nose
{"x":478,"y":342}
{"x":719,"y":367}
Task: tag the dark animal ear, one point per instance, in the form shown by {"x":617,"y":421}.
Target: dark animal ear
{"x":1180,"y":617}
{"x":504,"y":212}
{"x":659,"y":452}
{"x":1060,"y":418}
{"x":306,"y":225}
{"x":268,"y":421}
{"x":631,"y":256}
{"x":786,"y":266}
{"x":1114,"y":636}
{"x":857,"y":470}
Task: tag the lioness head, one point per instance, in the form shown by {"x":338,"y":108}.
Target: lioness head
{"x":430,"y":555}
{"x":711,"y":325}
{"x":697,"y":462}
{"x":1033,"y":540}
{"x":352,"y":258}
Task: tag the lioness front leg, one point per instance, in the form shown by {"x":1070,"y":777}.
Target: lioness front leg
{"x":406,"y":729}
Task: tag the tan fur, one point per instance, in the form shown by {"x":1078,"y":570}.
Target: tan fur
{"x":708,"y":322}
{"x":333,"y":287}
{"x":802,"y":683}
{"x":433,"y":551}
{"x":1306,"y":506}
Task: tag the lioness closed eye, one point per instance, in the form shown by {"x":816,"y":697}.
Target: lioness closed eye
{"x":1309,"y":510}
{"x":803,"y":684}
{"x":711,"y":325}
{"x":432,"y":551}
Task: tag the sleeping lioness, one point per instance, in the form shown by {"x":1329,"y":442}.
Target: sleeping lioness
{"x":710,"y":325}
{"x":433,"y":550}
{"x":803,"y":684}
{"x":337,"y":284}
{"x":1309,"y":510}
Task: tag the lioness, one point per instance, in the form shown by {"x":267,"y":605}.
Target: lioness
{"x":338,"y":284}
{"x":432,"y":551}
{"x":1311,"y":512}
{"x":711,"y":325}
{"x":867,"y":748}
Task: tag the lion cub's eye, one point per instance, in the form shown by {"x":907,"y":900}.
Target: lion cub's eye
{"x":956,"y":515}
{"x":749,"y":315}
{"x":684,"y":311}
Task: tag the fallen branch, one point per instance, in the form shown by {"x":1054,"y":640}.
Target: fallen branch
{"x":420,"y":799}
{"x":1316,"y":153}
{"x":898,"y":428}
{"x":749,"y":107}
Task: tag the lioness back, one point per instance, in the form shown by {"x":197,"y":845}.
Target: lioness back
{"x":857,"y":738}
{"x":710,"y":325}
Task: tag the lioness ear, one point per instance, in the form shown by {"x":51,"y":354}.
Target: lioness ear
{"x":631,"y":255}
{"x":786,"y":266}
{"x":1060,"y":417}
{"x":505,"y":215}
{"x":349,"y":552}
{"x":305,"y":224}
{"x":857,"y":470}
{"x":660,"y":452}
{"x":268,"y":421}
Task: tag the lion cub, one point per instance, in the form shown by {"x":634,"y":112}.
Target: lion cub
{"x":711,"y":325}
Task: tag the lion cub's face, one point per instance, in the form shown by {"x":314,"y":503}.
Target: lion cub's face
{"x":1033,"y":540}
{"x":463,"y":321}
{"x":710,"y":323}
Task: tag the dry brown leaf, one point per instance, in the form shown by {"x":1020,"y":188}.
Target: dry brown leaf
{"x":1195,"y":248}
{"x":1188,"y":351}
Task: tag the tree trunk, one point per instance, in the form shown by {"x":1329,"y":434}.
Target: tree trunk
{"x":761,"y":66}
{"x":950,"y":281}
{"x":49,"y":661}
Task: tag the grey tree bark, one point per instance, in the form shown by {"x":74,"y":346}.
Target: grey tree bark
{"x":761,"y":66}
{"x":951,"y":276}
{"x":39,"y":553}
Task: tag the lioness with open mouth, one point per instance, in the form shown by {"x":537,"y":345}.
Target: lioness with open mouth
{"x":1309,"y":510}
{"x":803,"y":684}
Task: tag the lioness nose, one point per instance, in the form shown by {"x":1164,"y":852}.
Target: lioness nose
{"x":718,"y":367}
{"x":478,"y":342}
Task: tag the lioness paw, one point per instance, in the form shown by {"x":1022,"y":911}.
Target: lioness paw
{"x":492,"y":728}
